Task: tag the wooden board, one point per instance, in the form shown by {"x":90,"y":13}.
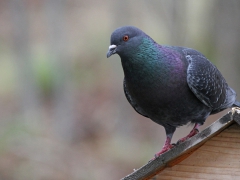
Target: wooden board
{"x":218,"y":158}
{"x":183,"y":150}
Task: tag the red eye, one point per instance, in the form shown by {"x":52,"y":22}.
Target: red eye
{"x":125,"y":38}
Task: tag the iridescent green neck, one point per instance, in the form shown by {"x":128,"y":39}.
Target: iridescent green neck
{"x":142,"y":62}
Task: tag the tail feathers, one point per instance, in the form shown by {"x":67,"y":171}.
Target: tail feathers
{"x":236,"y":104}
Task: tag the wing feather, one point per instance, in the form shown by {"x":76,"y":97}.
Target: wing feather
{"x":207,"y":83}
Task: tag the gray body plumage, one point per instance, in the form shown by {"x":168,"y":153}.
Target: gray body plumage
{"x":192,"y":94}
{"x":170,"y":85}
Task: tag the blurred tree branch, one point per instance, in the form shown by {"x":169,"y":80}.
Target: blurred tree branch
{"x":63,"y":96}
{"x":227,"y":41}
{"x":27,"y":91}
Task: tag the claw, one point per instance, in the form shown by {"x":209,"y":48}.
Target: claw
{"x":164,"y":149}
{"x":167,"y":145}
{"x":193,"y":132}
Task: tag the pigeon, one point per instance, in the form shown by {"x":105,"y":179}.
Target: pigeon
{"x":170,"y":85}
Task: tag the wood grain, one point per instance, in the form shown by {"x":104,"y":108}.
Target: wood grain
{"x":218,"y":158}
{"x":220,"y":141}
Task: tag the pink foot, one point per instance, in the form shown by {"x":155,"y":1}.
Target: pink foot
{"x":167,"y":146}
{"x":191,"y":134}
{"x":164,"y":149}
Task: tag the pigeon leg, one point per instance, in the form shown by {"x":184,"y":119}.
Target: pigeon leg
{"x":193,"y":132}
{"x":167,"y":146}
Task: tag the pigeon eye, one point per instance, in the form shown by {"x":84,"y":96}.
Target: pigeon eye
{"x":125,"y":38}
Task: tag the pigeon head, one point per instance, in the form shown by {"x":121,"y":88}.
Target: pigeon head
{"x":124,"y":40}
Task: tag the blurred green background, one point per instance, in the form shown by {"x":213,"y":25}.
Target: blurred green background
{"x":63,"y":113}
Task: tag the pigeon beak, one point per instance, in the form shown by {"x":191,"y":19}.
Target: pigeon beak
{"x":111,"y":50}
